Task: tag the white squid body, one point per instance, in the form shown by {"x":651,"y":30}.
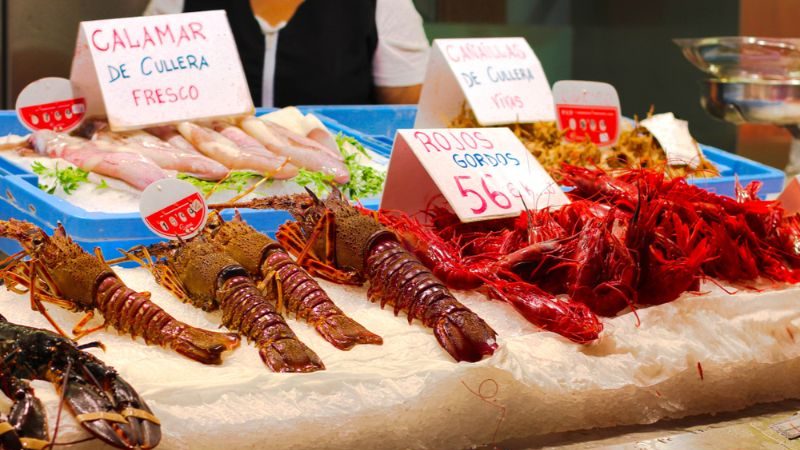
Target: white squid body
{"x":251,"y":146}
{"x":223,"y":150}
{"x":170,"y":135}
{"x":300,"y":150}
{"x":162,"y":153}
{"x":131,"y":168}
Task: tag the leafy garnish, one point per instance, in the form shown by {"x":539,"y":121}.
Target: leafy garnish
{"x":237,"y":181}
{"x":68,"y":179}
{"x":364,"y":180}
{"x":320,"y":182}
{"x":103,"y":184}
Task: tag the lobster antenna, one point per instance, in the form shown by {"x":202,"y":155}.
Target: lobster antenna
{"x":61,"y":403}
{"x":93,"y":344}
{"x":312,"y":194}
{"x":217,"y":185}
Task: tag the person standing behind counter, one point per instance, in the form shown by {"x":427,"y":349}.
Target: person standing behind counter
{"x":318,"y":52}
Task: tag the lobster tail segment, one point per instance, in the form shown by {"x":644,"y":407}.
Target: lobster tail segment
{"x":290,"y":355}
{"x":344,"y":333}
{"x":465,"y":336}
{"x":204,"y":346}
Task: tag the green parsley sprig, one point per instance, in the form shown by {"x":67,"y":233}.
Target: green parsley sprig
{"x":364,"y":180}
{"x":68,"y":179}
{"x":237,"y":181}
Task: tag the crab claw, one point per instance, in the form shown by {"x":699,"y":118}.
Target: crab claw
{"x":465,"y":336}
{"x":108,"y":407}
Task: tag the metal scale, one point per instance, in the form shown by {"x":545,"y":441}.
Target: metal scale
{"x":754,"y":80}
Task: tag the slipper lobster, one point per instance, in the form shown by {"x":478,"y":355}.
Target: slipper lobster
{"x":102,"y":402}
{"x":59,"y":271}
{"x":275,"y":271}
{"x":333,"y":240}
{"x":199,"y":272}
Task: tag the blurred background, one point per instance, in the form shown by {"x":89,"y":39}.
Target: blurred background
{"x":624,"y":42}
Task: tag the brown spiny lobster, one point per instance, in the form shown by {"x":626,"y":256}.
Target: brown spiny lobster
{"x":283,"y":279}
{"x":59,"y":271}
{"x":333,"y":240}
{"x":199,"y":272}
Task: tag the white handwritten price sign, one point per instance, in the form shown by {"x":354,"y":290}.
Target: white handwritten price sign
{"x":144,"y":71}
{"x":500,"y":79}
{"x":484,"y":173}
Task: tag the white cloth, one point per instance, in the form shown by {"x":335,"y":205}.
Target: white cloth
{"x":400,"y":58}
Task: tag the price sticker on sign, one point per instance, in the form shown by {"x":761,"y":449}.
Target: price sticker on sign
{"x":587,"y":109}
{"x":500,"y":79}
{"x":173,"y":209}
{"x":483,"y":173}
{"x":144,"y":71}
{"x":50,"y":104}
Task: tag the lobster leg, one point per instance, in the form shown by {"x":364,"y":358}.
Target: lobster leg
{"x":27,"y":417}
{"x":291,"y":238}
{"x":37,"y":302}
{"x":13,"y":278}
{"x":79,"y":331}
{"x":163,"y":275}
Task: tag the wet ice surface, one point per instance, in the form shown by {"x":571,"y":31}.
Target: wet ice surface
{"x":409,"y":393}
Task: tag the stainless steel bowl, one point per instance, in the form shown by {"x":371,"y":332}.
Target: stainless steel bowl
{"x":763,"y":102}
{"x":744,"y":58}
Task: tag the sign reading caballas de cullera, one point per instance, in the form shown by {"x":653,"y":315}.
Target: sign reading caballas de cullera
{"x":483,"y":173}
{"x":143,"y":71}
{"x":500,"y":79}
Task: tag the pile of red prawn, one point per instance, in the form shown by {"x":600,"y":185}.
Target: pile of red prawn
{"x":635,"y":238}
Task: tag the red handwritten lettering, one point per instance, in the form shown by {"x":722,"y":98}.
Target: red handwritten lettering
{"x":95,"y":43}
{"x":118,"y":42}
{"x":452,"y":53}
{"x":160,"y":96}
{"x":487,"y":144}
{"x":147,"y":38}
{"x":505,"y":101}
{"x":425,"y":140}
{"x":439,"y":137}
{"x":184,"y":36}
{"x":197,"y":29}
{"x":164,"y":32}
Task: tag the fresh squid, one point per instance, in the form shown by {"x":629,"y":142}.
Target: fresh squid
{"x":250,"y":145}
{"x":131,"y":168}
{"x":161,"y":152}
{"x":170,"y":135}
{"x":218,"y":147}
{"x":300,"y":150}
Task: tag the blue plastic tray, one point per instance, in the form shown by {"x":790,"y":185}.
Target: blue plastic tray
{"x":381,"y":122}
{"x":20,"y":198}
{"x":378,"y":122}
